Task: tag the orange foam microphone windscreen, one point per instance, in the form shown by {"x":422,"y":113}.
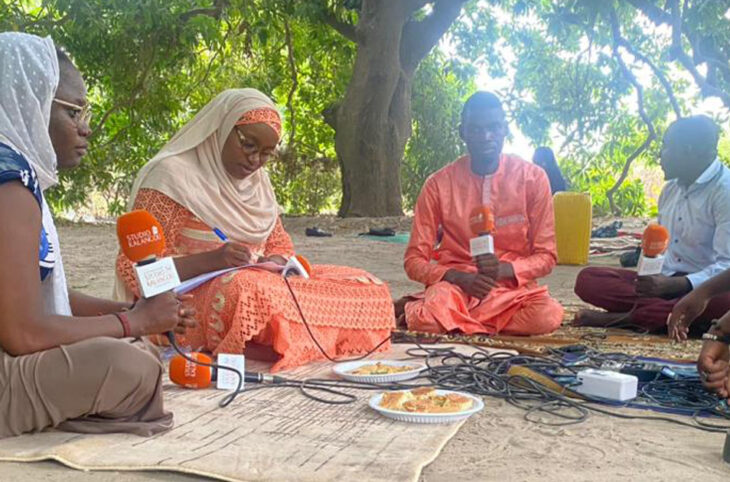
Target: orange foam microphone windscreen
{"x":655,"y":240}
{"x":140,"y":235}
{"x":305,"y":263}
{"x":189,"y":375}
{"x":481,"y":220}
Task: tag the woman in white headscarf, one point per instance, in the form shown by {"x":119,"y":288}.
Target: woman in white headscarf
{"x":211,"y":176}
{"x":61,"y":362}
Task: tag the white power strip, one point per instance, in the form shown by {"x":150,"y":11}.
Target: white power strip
{"x":607,"y":384}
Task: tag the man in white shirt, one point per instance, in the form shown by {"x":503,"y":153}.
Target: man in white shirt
{"x":695,"y":207}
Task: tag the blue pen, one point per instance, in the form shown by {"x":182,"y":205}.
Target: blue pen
{"x":220,"y":234}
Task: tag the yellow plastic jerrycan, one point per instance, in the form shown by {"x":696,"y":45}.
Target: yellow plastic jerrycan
{"x":573,"y":220}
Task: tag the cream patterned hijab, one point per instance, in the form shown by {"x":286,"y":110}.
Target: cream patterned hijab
{"x":29,"y":78}
{"x":190,"y":171}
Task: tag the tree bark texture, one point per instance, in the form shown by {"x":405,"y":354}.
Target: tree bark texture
{"x":374,"y":119}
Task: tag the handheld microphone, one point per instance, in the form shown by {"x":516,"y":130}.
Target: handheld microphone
{"x":481,"y":223}
{"x":143,"y":242}
{"x":203,"y":372}
{"x":298,"y":265}
{"x":654,"y":243}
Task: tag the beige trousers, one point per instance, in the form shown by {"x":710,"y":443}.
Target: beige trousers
{"x":98,"y":385}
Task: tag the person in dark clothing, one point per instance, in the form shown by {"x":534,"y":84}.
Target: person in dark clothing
{"x":545,"y":158}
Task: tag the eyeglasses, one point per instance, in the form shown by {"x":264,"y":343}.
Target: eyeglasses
{"x":250,"y":148}
{"x":80,"y":114}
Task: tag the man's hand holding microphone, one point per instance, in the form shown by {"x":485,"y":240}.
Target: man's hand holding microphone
{"x":489,"y":269}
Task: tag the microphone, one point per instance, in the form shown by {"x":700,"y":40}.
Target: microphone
{"x":297,"y":265}
{"x":481,"y":223}
{"x":203,"y":372}
{"x":187,"y":374}
{"x":143,"y":242}
{"x":654,"y":243}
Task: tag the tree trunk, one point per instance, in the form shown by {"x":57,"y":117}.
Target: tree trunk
{"x":373,"y":122}
{"x":374,"y":119}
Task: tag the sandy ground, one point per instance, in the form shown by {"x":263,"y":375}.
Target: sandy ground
{"x":495,"y":445}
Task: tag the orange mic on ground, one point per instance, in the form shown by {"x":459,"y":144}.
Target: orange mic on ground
{"x":143,"y":242}
{"x":481,"y":223}
{"x":654,"y":243}
{"x":187,"y":374}
{"x":198,"y":370}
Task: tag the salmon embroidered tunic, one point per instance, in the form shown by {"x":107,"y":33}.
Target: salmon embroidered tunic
{"x":349,"y":310}
{"x":518,"y":194}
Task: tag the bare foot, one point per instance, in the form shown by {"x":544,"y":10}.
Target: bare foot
{"x":400,"y":306}
{"x":600,"y":319}
{"x":400,"y":322}
{"x":400,"y":312}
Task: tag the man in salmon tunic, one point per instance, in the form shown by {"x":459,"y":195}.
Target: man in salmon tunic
{"x":494,"y":293}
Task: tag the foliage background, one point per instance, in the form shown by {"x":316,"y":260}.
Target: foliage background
{"x":151,"y":64}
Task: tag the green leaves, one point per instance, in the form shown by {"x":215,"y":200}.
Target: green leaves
{"x":439,"y":91}
{"x":151,"y":64}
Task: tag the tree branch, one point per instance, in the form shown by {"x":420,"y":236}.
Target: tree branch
{"x":294,"y":85}
{"x":651,"y":134}
{"x":204,"y":77}
{"x":706,"y":88}
{"x":214,"y":12}
{"x":113,"y":139}
{"x":139,"y":89}
{"x":345,"y":29}
{"x":568,"y":138}
{"x":420,"y":37}
{"x":660,"y":75}
{"x":676,"y":16}
{"x":44,"y":17}
{"x":648,"y":8}
{"x":127,"y":102}
{"x":206,"y":74}
{"x":210,"y":12}
{"x":329,"y":114}
{"x":674,"y":19}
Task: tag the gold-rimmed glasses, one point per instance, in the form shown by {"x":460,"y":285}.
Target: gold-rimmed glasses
{"x":81,"y":113}
{"x":250,"y":148}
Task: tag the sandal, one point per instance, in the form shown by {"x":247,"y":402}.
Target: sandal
{"x":315,"y":232}
{"x":379,"y":232}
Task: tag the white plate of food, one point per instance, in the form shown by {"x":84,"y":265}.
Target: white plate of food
{"x":426,"y":405}
{"x":379,"y":371}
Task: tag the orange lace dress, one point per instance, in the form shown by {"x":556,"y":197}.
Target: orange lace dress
{"x":349,"y":310}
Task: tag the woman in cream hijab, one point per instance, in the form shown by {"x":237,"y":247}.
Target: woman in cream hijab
{"x":211,"y":175}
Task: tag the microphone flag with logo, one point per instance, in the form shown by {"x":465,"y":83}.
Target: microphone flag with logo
{"x":654,"y":243}
{"x":142,"y":241}
{"x":481,"y":223}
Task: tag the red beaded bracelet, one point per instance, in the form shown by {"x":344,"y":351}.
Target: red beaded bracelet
{"x":125,"y":324}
